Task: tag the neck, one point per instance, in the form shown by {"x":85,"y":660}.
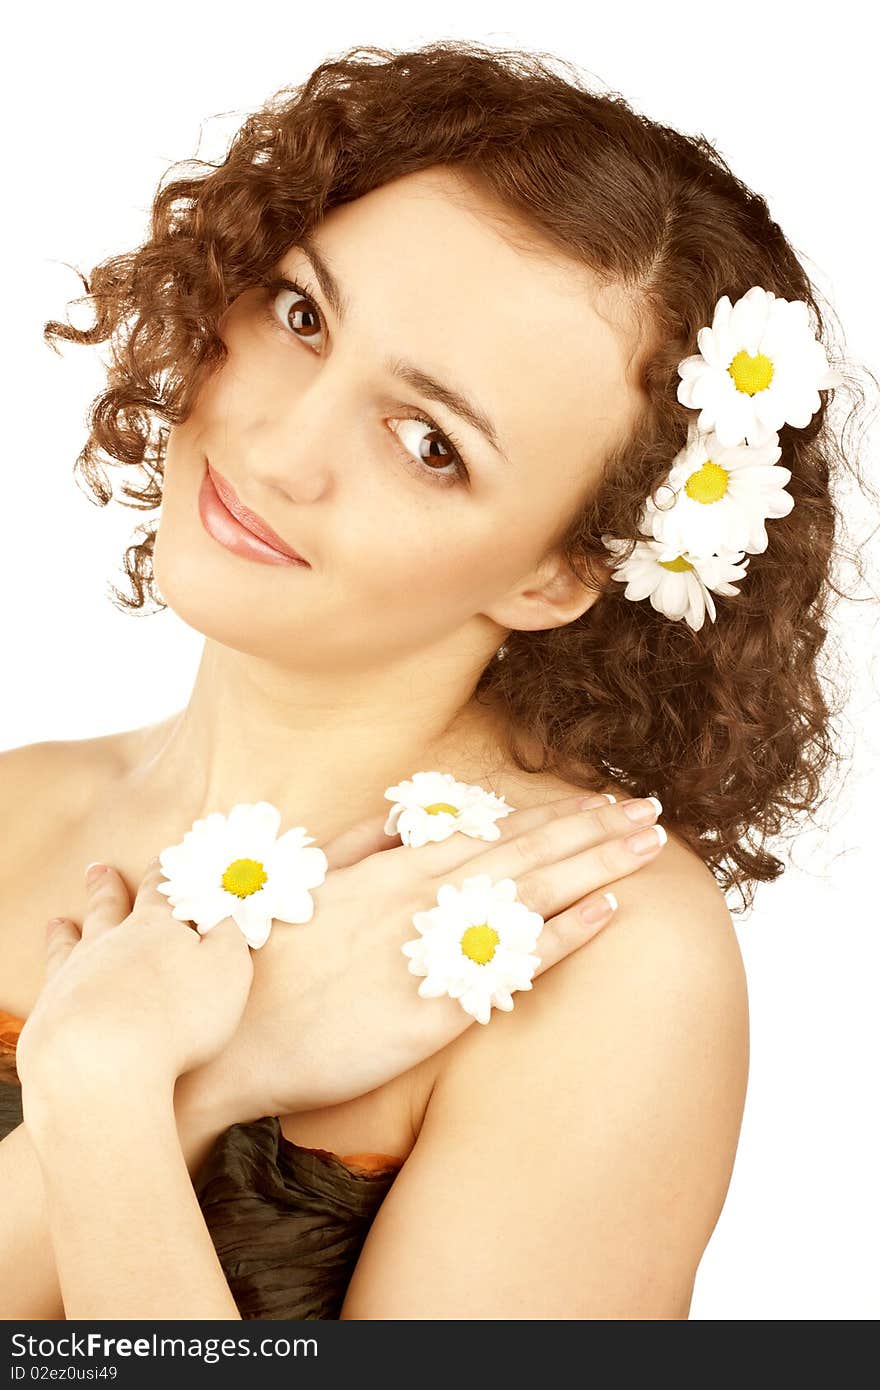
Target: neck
{"x":321,"y":750}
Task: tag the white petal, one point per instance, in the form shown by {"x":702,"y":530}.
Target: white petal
{"x":448,"y":895}
{"x":735,"y":420}
{"x":432,"y":988}
{"x":672,"y":596}
{"x":830,"y":378}
{"x":702,"y":604}
{"x":476,"y":1003}
{"x":747,"y":323}
{"x":708,"y":346}
{"x":721,"y":315}
{"x":477,"y":829}
{"x":297,"y":905}
{"x":645,"y":585}
{"x":260,"y":820}
{"x":257,"y":932}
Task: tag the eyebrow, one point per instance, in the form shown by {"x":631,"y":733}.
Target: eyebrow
{"x":419,"y":380}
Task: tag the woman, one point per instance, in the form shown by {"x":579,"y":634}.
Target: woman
{"x":266,"y":322}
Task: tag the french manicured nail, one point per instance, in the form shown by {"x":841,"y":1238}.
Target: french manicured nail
{"x":94,"y":871}
{"x":646,"y":841}
{"x":599,"y":908}
{"x":640,"y":811}
{"x":589,"y":803}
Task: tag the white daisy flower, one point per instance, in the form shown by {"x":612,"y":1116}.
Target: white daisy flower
{"x":433,"y":805}
{"x":717,"y":498}
{"x":238,"y":866}
{"x":677,"y":585}
{"x":476,"y":945}
{"x":760,"y":366}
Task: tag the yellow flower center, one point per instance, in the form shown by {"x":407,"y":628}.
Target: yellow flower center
{"x":751,"y":374}
{"x":707,"y":484}
{"x":478,"y":943}
{"x":243,"y":877}
{"x":438,"y":806}
{"x":677,"y":565}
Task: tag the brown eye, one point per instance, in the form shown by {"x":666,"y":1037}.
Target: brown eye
{"x":447,"y":464}
{"x":296,"y":310}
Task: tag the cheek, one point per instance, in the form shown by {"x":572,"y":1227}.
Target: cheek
{"x":440,"y":561}
{"x":406,"y":569}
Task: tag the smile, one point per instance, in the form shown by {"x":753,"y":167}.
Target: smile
{"x":237,"y":528}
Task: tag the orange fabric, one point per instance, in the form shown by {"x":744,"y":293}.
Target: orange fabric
{"x":369,"y":1162}
{"x":11,"y":1025}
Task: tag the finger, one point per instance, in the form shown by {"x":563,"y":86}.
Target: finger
{"x":573,"y":928}
{"x":153,"y":876}
{"x":443,"y":856}
{"x":148,"y":896}
{"x":227,"y":935}
{"x":565,"y":831}
{"x":227,"y":945}
{"x":354,"y":844}
{"x":107,"y":902}
{"x":61,"y":937}
{"x":556,"y":887}
{"x":567,"y":835}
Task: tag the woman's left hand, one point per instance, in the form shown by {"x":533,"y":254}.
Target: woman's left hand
{"x":132,"y":999}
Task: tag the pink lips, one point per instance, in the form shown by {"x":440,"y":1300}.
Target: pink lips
{"x":239,"y":529}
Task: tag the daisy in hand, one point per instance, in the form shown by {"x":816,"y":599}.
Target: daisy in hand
{"x":760,"y":366}
{"x":678,"y":585}
{"x":433,"y":806}
{"x":237,"y":866}
{"x":476,"y":945}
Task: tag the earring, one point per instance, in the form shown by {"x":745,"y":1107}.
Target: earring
{"x":501,"y":653}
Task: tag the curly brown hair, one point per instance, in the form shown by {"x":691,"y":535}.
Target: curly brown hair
{"x":730,"y":726}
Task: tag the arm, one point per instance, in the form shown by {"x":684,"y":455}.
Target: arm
{"x":28,"y":1282}
{"x":29,"y":1286}
{"x":127,"y":1232}
{"x":98,"y":1086}
{"x":576,"y":1153}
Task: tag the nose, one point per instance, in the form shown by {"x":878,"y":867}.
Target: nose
{"x":290,"y":450}
{"x":298,"y":473}
{"x":297,"y":479}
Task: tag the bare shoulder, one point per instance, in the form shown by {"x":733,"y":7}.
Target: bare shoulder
{"x":52,"y":781}
{"x":669,"y":955}
{"x":672,"y":937}
{"x":603,"y":1112}
{"x":671,"y":907}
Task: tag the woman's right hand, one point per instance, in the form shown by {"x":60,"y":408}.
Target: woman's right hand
{"x":333,"y":1011}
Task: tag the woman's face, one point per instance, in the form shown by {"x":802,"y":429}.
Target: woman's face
{"x":412,"y":541}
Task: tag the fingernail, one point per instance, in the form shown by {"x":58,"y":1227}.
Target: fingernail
{"x":599,"y":908}
{"x":94,"y":871}
{"x":589,"y":803}
{"x":646,"y":841}
{"x":640,"y":811}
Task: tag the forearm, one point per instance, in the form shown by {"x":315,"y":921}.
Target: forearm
{"x":128,"y":1235}
{"x":28,"y":1281}
{"x":29,"y":1286}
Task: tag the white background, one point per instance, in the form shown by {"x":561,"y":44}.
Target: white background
{"x":97,"y":101}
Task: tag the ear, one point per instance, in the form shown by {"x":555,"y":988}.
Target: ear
{"x":551,"y":596}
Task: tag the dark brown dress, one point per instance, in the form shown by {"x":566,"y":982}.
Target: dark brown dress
{"x":287,"y":1222}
